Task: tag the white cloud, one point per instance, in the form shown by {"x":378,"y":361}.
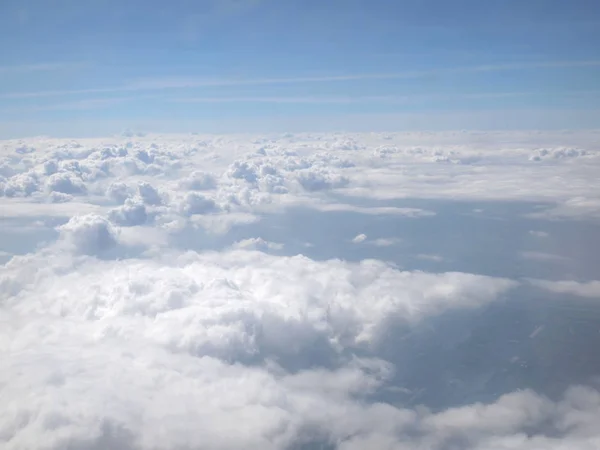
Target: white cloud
{"x":557,"y":153}
{"x":257,"y":244}
{"x":65,"y":183}
{"x":24,"y":209}
{"x":194,"y":203}
{"x":130,"y":214}
{"x":90,"y":234}
{"x":301,"y":166}
{"x":149,"y":194}
{"x":199,"y":181}
{"x":317,"y":180}
{"x":359,"y":238}
{"x":198,"y":345}
{"x":243,"y":171}
{"x":119,"y":192}
{"x":583,"y":206}
{"x":21,"y":185}
{"x":260,"y":284}
{"x":589,"y":289}
{"x":154,"y":320}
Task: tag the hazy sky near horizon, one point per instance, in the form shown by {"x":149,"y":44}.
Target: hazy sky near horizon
{"x":71,"y":67}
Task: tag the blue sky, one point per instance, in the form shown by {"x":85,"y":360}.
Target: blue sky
{"x":92,"y":67}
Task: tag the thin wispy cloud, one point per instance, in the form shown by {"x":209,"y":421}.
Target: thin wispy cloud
{"x":190,"y":82}
{"x":79,"y":105}
{"x":58,"y":93}
{"x":100,"y":103}
{"x":375,"y":98}
{"x":92,"y":103}
{"x":41,"y":67}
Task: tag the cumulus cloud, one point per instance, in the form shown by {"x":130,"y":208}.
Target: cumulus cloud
{"x":164,"y":401}
{"x":119,"y":192}
{"x":89,"y":234}
{"x":132,"y":213}
{"x":557,"y":153}
{"x":218,"y":339}
{"x":149,"y":315}
{"x":199,"y":181}
{"x":21,"y":185}
{"x":242,"y":170}
{"x":65,"y":183}
{"x":194,"y":203}
{"x":149,"y":194}
{"x":317,"y":180}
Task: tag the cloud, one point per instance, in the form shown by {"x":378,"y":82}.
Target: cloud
{"x":257,"y":244}
{"x":407,"y":99}
{"x":543,"y":257}
{"x":236,"y":304}
{"x":149,"y":194}
{"x":199,"y":181}
{"x":589,"y":289}
{"x":359,"y":238}
{"x":539,"y":233}
{"x":240,"y":179}
{"x":194,"y":203}
{"x":215,"y":339}
{"x":573,"y":207}
{"x":243,"y":170}
{"x":385,"y":242}
{"x":90,"y":234}
{"x":166,"y":400}
{"x":119,"y":192}
{"x":192,"y":82}
{"x":557,"y":153}
{"x":40,"y":67}
{"x":65,"y":183}
{"x":164,"y":301}
{"x":318,"y":180}
{"x":427,"y":257}
{"x":79,"y":105}
{"x":132,"y":213}
{"x":23,"y":184}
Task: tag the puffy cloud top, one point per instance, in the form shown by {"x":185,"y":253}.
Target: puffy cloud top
{"x":89,"y":234}
{"x":156,"y":321}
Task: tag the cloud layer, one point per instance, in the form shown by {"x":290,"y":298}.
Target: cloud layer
{"x":185,"y":292}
